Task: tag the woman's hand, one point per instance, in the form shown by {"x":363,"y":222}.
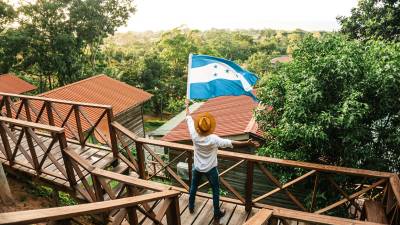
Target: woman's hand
{"x":187,"y":101}
{"x":253,"y":143}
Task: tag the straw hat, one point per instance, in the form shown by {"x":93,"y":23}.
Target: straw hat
{"x":205,"y":124}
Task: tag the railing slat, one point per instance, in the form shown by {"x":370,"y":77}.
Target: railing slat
{"x":58,"y":213}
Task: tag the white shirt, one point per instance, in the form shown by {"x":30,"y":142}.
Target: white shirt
{"x":205,"y":148}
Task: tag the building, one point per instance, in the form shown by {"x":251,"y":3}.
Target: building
{"x":127,"y":102}
{"x":10,"y":83}
{"x":234,"y":117}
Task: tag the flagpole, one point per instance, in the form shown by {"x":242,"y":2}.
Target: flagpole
{"x":188,"y":85}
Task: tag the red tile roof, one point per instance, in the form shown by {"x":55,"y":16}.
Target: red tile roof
{"x":234,"y":116}
{"x":99,"y":89}
{"x":12,"y":84}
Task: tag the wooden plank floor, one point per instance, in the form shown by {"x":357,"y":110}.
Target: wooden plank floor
{"x":98,"y":157}
{"x":203,"y":215}
{"x":101,"y":158}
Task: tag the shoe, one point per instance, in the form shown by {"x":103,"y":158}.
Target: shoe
{"x":191,"y":211}
{"x":221,"y":214}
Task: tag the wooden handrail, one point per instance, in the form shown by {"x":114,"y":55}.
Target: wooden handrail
{"x":256,"y":158}
{"x":259,"y":218}
{"x":395,"y":183}
{"x":66,"y":212}
{"x":85,"y":104}
{"x":23,"y":123}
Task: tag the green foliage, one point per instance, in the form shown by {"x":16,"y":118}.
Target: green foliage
{"x":373,"y":19}
{"x":151,"y":125}
{"x":66,"y":199}
{"x":336,"y":102}
{"x":59,"y":41}
{"x":7,"y":14}
{"x":157,"y":62}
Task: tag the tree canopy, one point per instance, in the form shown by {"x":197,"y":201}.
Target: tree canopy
{"x":373,"y":19}
{"x":336,"y":102}
{"x":59,"y":40}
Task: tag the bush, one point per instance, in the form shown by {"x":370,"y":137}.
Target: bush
{"x":337,"y":102}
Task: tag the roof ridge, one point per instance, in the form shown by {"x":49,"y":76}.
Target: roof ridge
{"x":71,"y":84}
{"x":250,"y":125}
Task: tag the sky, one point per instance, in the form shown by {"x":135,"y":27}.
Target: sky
{"x":310,"y":15}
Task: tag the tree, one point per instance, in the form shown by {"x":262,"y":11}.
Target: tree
{"x":148,"y":73}
{"x":373,"y":19}
{"x":63,"y":38}
{"x":7,"y":14}
{"x":337,"y":103}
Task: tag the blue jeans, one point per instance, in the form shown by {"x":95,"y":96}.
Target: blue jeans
{"x":212,"y":176}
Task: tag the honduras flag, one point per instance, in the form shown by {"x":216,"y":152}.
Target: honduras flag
{"x":210,"y":77}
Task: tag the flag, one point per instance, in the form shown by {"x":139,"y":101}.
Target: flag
{"x":210,"y":77}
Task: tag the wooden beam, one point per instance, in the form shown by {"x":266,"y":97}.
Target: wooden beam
{"x":56,"y":100}
{"x":59,"y":213}
{"x":222,"y":173}
{"x":353,"y":196}
{"x":273,"y":179}
{"x":136,"y":182}
{"x":249,"y":185}
{"x":256,"y":158}
{"x":260,"y":218}
{"x":288,"y":184}
{"x":163,"y":164}
{"x":311,"y":218}
{"x":5,"y":193}
{"x":395,"y":184}
{"x":22,"y":123}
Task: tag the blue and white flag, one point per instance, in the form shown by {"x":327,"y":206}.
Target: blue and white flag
{"x":210,"y":77}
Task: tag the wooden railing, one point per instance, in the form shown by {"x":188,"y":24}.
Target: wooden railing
{"x":98,"y":185}
{"x":81,"y":121}
{"x":313,"y":178}
{"x":130,"y":205}
{"x":31,"y":157}
{"x":260,"y":218}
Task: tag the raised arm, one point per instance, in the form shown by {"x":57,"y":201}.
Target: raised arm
{"x":187,"y":107}
{"x":249,"y":142}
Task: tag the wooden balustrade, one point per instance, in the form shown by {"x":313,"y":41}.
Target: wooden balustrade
{"x":95,"y":184}
{"x":384,"y":185}
{"x":31,"y":157}
{"x":81,"y":121}
{"x":129,"y":205}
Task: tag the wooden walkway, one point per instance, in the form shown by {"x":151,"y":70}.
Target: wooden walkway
{"x":203,"y":215}
{"x":101,"y":157}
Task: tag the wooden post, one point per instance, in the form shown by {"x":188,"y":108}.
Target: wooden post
{"x":67,"y":161}
{"x":141,"y":160}
{"x":32,"y":150}
{"x":132,"y":211}
{"x":27,"y":110}
{"x":132,"y":216}
{"x":79,"y":125}
{"x":5,"y":141}
{"x":8,"y":106}
{"x":5,"y":193}
{"x":99,"y":193}
{"x":173,"y":212}
{"x":49,"y":111}
{"x":249,"y":185}
{"x":190,"y":166}
{"x":113,"y":134}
